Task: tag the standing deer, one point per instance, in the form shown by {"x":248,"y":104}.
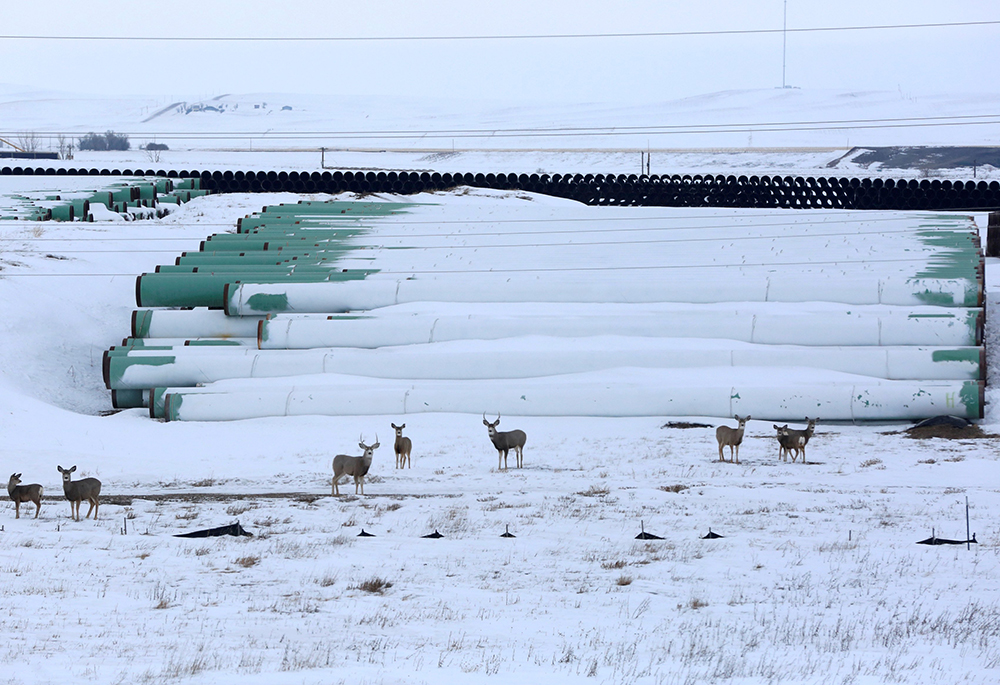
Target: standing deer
{"x":78,"y":490}
{"x":799,"y":438}
{"x":402,"y":447}
{"x":731,"y":437}
{"x":504,"y":441}
{"x":357,"y":467}
{"x":785,"y":446}
{"x":24,"y":493}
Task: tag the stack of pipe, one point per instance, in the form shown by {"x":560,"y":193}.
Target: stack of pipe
{"x":378,"y":307}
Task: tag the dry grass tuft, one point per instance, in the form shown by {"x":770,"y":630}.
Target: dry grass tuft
{"x":674,"y":488}
{"x":247,"y":562}
{"x":373,"y":585}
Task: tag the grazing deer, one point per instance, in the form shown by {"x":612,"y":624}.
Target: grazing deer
{"x":78,"y":490}
{"x":24,"y":493}
{"x":731,"y":437}
{"x":799,"y":438}
{"x":402,"y":447}
{"x":357,"y":467}
{"x":504,"y":441}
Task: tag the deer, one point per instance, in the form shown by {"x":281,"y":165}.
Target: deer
{"x":785,"y":446}
{"x":799,"y":438}
{"x":78,"y":490}
{"x":344,"y":465}
{"x":24,"y":493}
{"x":402,"y":447}
{"x":505,"y":441}
{"x":731,"y":437}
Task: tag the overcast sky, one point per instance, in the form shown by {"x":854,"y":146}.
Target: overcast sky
{"x":567,"y":70}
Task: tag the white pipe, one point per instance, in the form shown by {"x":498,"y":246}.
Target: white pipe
{"x":619,"y":392}
{"x":534,"y":357}
{"x":254,"y":299}
{"x":823,"y":326}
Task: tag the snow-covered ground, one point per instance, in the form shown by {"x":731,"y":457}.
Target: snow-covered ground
{"x":777,"y":131}
{"x":818,"y":578}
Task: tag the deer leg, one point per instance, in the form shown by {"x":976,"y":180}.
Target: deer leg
{"x":520,"y":457}
{"x":38,"y":507}
{"x":334,"y":490}
{"x":737,"y":454}
{"x":17,"y":509}
{"x":95,"y":505}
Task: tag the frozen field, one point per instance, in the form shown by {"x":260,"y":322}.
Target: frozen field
{"x":818,"y":578}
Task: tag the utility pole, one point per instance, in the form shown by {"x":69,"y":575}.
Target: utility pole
{"x":784,"y":42}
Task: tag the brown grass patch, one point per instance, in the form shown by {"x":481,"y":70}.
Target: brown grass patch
{"x":972,"y":432}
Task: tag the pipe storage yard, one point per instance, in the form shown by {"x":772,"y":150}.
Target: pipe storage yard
{"x":698,"y":190}
{"x":135,"y":197}
{"x":524,"y":306}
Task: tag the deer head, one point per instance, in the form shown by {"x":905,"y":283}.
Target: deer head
{"x":491,"y":427}
{"x":368,"y":448}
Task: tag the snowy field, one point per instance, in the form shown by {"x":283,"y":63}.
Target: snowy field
{"x":817,"y":579}
{"x":791,"y":131}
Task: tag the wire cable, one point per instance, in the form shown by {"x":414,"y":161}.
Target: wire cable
{"x":486,"y":37}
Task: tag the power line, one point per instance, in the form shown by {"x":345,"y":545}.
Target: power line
{"x":568,"y":131}
{"x":482,"y":37}
{"x":819,"y":221}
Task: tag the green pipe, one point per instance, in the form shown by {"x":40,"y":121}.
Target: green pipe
{"x":101,"y":197}
{"x":169,"y":198}
{"x":238,"y":270}
{"x":156,"y":397}
{"x":277,"y":223}
{"x":121,"y":194}
{"x":257,"y":257}
{"x":258,"y":244}
{"x":129,"y":399}
{"x":208,"y":290}
{"x":339,"y":207}
{"x":63,"y":212}
{"x":163,"y":185}
{"x":289,"y":234}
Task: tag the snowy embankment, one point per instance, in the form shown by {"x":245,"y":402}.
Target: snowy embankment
{"x":817,"y":578}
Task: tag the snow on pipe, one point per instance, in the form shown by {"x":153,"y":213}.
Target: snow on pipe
{"x":531,"y":357}
{"x":854,"y":327}
{"x":254,"y":299}
{"x":191,"y":323}
{"x":614,"y":393}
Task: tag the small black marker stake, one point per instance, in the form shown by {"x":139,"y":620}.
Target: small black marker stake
{"x":507,"y":533}
{"x":433,"y":536}
{"x":363,"y":534}
{"x":968,"y":540}
{"x":644,"y":535}
{"x":712,"y":536}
